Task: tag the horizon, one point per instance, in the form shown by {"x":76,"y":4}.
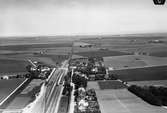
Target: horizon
{"x":78,"y":17}
{"x":141,"y":35}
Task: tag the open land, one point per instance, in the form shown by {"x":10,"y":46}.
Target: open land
{"x":134,"y":58}
{"x":14,"y":57}
{"x":149,"y":83}
{"x":7,"y":86}
{"x":26,"y":96}
{"x":120,"y":100}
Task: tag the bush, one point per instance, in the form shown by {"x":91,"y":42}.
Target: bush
{"x":79,"y":81}
{"x":99,"y":77}
{"x":91,"y":92}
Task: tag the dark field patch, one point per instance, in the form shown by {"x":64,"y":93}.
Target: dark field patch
{"x":159,"y":54}
{"x":7,"y":86}
{"x":12,"y":66}
{"x":30,"y":46}
{"x":139,"y":74}
{"x":111,"y":85}
{"x":57,"y":59}
{"x":102,"y":53}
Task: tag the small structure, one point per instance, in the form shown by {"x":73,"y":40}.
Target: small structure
{"x":83,"y":44}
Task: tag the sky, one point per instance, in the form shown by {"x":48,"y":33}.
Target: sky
{"x":81,"y":17}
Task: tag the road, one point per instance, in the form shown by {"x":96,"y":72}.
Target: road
{"x":53,"y":94}
{"x":10,"y":92}
{"x":49,"y":97}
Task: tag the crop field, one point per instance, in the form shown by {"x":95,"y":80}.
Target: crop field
{"x":149,"y":83}
{"x":12,"y":66}
{"x":132,"y":61}
{"x":30,"y":46}
{"x":102,"y":53}
{"x":113,"y":84}
{"x":159,"y":54}
{"x":140,"y":74}
{"x":119,"y":62}
{"x":14,"y":59}
{"x":120,"y":100}
{"x":48,"y":52}
{"x":26,"y":96}
{"x":131,"y":44}
{"x":7,"y":86}
{"x":48,"y":59}
{"x":14,"y":54}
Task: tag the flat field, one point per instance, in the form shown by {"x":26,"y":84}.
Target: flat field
{"x":7,"y":86}
{"x":132,"y":44}
{"x":126,"y":52}
{"x":149,"y":83}
{"x":122,"y":101}
{"x":47,"y":50}
{"x":14,"y":59}
{"x":102,"y":53}
{"x":12,"y":66}
{"x":26,"y":96}
{"x":113,"y":84}
{"x":143,"y":58}
{"x":140,"y":74}
{"x":133,"y":61}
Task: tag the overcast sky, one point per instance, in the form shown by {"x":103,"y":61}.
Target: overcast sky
{"x":70,"y":17}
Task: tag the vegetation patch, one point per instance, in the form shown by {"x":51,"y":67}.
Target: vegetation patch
{"x":102,"y":53}
{"x":113,"y":84}
{"x":139,"y":74}
{"x":32,"y":46}
{"x":35,"y":91}
{"x":56,"y":58}
{"x":12,"y":66}
{"x":159,"y":54}
{"x":151,"y":94}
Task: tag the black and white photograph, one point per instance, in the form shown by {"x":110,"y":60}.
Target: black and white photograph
{"x":83,"y":56}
